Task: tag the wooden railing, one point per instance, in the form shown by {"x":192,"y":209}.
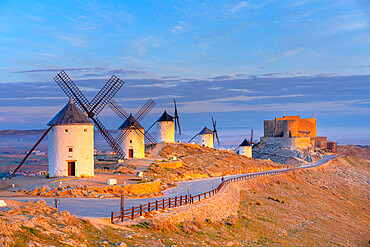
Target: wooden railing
{"x":177,"y":201}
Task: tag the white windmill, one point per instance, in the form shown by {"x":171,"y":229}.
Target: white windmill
{"x":167,"y":126}
{"x":71,"y":140}
{"x":207,"y":136}
{"x":245,"y":148}
{"x":132,"y":135}
{"x":71,"y":143}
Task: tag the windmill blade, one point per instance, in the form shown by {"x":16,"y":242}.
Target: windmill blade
{"x":72,"y":91}
{"x":140,"y":133}
{"x":150,"y":127}
{"x":144,"y":110}
{"x":108,"y":137}
{"x":118,"y":110}
{"x":177,"y":120}
{"x":251,"y":136}
{"x":122,"y":136}
{"x":215,"y":131}
{"x":218,"y":140}
{"x":148,"y":138}
{"x":33,"y":148}
{"x":105,"y":95}
{"x":192,"y":138}
{"x":214,"y":124}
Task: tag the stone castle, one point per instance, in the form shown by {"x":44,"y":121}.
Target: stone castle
{"x":295,"y":132}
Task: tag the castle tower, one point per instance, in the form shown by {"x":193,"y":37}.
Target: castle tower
{"x":71,"y":143}
{"x":245,"y":148}
{"x":165,"y":129}
{"x":133,"y":145}
{"x":206,"y":137}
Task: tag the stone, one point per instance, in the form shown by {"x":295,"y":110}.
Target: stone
{"x":3,"y":203}
{"x":112,"y":181}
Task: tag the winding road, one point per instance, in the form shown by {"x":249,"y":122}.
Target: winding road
{"x":94,"y":207}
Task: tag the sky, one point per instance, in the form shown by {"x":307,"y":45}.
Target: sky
{"x":240,"y":62}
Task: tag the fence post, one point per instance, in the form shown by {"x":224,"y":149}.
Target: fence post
{"x":111,"y":217}
{"x":156,"y":205}
{"x":169,"y":202}
{"x":180,"y":200}
{"x":163,"y":204}
{"x":148,"y":206}
{"x":132,"y":212}
{"x":186,"y":199}
{"x":141,"y":210}
{"x":175,"y":201}
{"x":191,"y":199}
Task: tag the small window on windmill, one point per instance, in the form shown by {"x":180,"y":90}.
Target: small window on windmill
{"x":70,"y":150}
{"x":85,"y":130}
{"x":66,"y":130}
{"x":130,"y":141}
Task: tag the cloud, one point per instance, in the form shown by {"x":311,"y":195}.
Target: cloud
{"x":2,"y":119}
{"x":241,"y":90}
{"x":123,"y":71}
{"x":170,"y":77}
{"x":239,"y":6}
{"x":292,"y":52}
{"x":57,"y":70}
{"x":221,"y":77}
{"x":79,"y":42}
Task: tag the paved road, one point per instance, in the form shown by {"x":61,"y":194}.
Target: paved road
{"x":93,"y":207}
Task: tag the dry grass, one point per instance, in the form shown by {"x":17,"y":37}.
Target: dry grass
{"x":201,"y":162}
{"x":326,"y":206}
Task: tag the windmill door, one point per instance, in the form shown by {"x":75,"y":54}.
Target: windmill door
{"x":71,"y":168}
{"x":130,"y":153}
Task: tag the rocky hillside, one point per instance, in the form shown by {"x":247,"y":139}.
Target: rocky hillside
{"x":199,"y":162}
{"x":355,"y":151}
{"x":325,"y":206}
{"x":284,"y":155}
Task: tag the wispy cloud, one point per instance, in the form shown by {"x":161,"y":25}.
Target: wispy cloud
{"x":292,"y":52}
{"x":57,"y":70}
{"x":179,"y":28}
{"x":239,"y":6}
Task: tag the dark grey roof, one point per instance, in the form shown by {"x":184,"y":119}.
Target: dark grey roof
{"x":205,"y":131}
{"x":245,"y":143}
{"x":70,"y":115}
{"x":129,"y":123}
{"x":165,"y":118}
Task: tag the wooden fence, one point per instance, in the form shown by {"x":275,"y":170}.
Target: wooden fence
{"x":177,"y":201}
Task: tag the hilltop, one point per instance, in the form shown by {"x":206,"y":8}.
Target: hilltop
{"x":202,"y":162}
{"x":327,"y":205}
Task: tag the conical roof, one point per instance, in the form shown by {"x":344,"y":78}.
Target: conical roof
{"x":70,"y":115}
{"x":130,"y":122}
{"x":245,"y":143}
{"x":165,"y":118}
{"x":205,"y":131}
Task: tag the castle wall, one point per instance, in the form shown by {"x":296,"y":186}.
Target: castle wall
{"x":269,"y":128}
{"x":134,"y":141}
{"x":166,"y":132}
{"x":206,"y":140}
{"x":71,"y":143}
{"x":290,"y":126}
{"x":292,"y":143}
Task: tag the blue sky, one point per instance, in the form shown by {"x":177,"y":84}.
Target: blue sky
{"x":239,"y":61}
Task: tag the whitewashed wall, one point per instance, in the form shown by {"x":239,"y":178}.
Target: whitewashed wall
{"x":206,"y":140}
{"x":82,"y":143}
{"x":138,"y":145}
{"x":166,"y":132}
{"x":245,"y":150}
